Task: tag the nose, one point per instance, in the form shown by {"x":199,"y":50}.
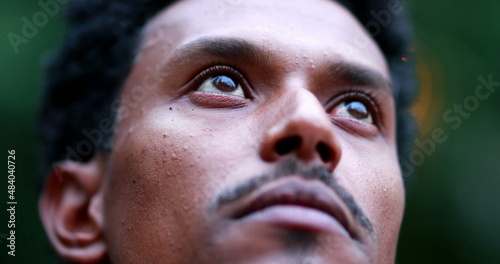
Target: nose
{"x":302,"y":128}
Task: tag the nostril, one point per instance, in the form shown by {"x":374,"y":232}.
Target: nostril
{"x":287,"y":145}
{"x":324,"y":152}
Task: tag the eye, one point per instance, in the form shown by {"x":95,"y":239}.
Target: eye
{"x":222,"y":84}
{"x":354,"y":109}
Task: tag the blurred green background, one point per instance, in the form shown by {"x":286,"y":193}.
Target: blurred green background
{"x":452,"y":214}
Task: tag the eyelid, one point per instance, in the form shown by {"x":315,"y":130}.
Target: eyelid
{"x":365,"y":96}
{"x":222,"y":69}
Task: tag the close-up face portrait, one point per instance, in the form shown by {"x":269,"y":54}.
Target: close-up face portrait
{"x":250,"y":132}
{"x":258,"y":132}
{"x":269,"y":137}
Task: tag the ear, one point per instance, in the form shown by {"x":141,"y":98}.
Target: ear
{"x":71,"y":210}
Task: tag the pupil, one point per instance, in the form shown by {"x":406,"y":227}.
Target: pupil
{"x":357,"y":109}
{"x":224,"y":83}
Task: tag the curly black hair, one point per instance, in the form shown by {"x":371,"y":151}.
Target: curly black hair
{"x":85,"y":77}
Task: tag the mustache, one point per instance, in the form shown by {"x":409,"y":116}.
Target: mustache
{"x":293,"y":167}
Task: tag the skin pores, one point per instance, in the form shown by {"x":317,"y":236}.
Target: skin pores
{"x":222,"y":95}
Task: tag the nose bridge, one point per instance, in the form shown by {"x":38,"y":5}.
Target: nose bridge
{"x":304,"y":130}
{"x":305,"y":107}
{"x":305,"y":118}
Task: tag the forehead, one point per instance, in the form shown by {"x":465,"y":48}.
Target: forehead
{"x":293,"y":29}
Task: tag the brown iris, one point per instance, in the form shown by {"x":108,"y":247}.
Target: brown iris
{"x":224,"y":83}
{"x":357,"y":109}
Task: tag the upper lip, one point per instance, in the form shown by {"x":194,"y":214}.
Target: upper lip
{"x":311,"y":194}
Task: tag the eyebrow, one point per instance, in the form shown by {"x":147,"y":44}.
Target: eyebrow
{"x":226,"y":48}
{"x":238,"y":49}
{"x":358,"y":75}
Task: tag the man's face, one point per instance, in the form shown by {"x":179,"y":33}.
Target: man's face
{"x":255,"y":132}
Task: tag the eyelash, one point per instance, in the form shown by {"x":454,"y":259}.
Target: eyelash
{"x":365,"y":96}
{"x":353,"y":93}
{"x":219,"y":69}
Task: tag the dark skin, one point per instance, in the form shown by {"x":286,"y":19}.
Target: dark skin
{"x":266,"y":135}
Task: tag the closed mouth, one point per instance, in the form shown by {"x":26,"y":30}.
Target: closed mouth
{"x":309,"y":195}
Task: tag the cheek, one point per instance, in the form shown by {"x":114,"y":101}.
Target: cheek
{"x":166,"y":169}
{"x":371,"y":173}
{"x":154,"y":194}
{"x":145,"y":206}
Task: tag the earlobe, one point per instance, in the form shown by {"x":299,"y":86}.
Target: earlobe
{"x":71,"y":210}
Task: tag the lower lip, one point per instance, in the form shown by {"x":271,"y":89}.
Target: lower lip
{"x":297,"y":217}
